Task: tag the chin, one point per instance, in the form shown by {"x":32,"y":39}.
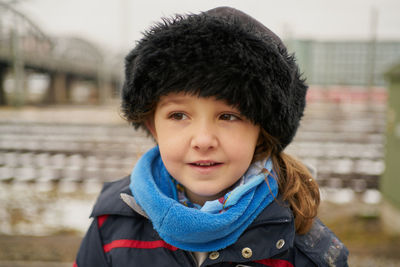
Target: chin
{"x":211,"y":195}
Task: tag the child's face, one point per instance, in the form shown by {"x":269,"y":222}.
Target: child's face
{"x":205,"y":144}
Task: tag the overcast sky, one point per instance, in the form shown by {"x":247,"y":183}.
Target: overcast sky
{"x":116,"y":24}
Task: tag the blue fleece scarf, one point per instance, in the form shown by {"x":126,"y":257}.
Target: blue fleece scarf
{"x":188,"y":228}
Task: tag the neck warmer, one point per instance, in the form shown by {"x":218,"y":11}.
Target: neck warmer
{"x":188,"y":228}
{"x":248,"y":181}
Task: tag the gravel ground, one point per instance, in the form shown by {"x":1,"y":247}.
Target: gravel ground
{"x":358,"y":261}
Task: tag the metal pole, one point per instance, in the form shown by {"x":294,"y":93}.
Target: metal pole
{"x":18,"y":68}
{"x":372,"y":50}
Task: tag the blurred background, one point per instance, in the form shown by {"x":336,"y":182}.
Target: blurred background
{"x":62,"y":136}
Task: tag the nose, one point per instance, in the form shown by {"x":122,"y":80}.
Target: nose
{"x":204,"y":138}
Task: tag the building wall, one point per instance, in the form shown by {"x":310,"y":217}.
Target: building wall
{"x":390,"y":181}
{"x":345,"y":62}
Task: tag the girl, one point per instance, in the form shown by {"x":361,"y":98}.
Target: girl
{"x":222,"y":98}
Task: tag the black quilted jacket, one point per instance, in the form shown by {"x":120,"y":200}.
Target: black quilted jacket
{"x":122,"y":235}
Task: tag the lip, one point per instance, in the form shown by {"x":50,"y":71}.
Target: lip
{"x":205,"y":166}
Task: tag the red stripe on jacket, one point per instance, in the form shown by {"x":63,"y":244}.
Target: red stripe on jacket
{"x":275,"y":263}
{"x":128,"y":243}
{"x":74,"y":265}
{"x":101,"y":219}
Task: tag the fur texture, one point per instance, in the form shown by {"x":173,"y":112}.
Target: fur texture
{"x":223,"y":53}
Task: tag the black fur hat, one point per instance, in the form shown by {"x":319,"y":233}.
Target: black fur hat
{"x":223,"y":53}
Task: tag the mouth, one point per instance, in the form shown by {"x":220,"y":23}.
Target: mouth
{"x":205,"y":164}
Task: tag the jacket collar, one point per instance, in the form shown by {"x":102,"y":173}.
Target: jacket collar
{"x":109,"y":201}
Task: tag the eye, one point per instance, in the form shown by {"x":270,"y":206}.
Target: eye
{"x":178,"y":116}
{"x":229,"y":117}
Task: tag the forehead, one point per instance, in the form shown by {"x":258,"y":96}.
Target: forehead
{"x":174,"y":98}
{"x":185,"y":98}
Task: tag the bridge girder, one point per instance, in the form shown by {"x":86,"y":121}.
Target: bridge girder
{"x":21,"y":37}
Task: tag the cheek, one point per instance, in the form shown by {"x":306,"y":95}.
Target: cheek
{"x":241,"y":147}
{"x":244,"y":140}
{"x":166,"y":135}
{"x":171,"y":147}
{"x":241,"y":153}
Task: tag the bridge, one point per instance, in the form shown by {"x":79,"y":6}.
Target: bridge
{"x":26,"y":50}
